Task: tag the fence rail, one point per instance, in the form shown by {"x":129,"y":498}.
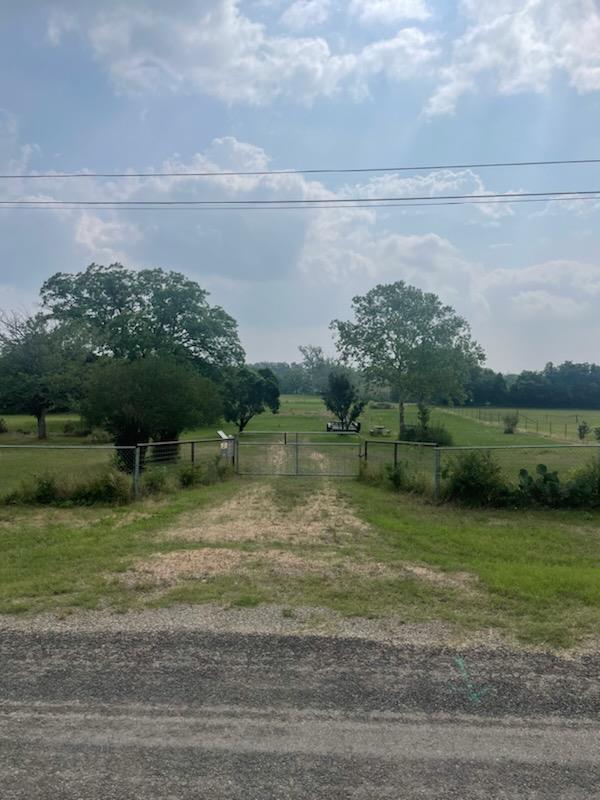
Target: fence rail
{"x":426,"y":464}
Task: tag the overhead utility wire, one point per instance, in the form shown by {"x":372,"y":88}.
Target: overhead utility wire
{"x":302,"y":202}
{"x":324,"y":171}
{"x":298,"y":208}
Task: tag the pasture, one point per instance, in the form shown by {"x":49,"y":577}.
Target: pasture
{"x":308,"y":416}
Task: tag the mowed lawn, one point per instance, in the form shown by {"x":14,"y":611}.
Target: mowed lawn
{"x":363,"y":551}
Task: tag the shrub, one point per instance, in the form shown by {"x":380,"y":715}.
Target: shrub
{"x":545,"y":488}
{"x":597,"y":433}
{"x":45,"y":489}
{"x":511,"y":422}
{"x":154,"y":481}
{"x":112,"y":488}
{"x":583,"y":429}
{"x":436,"y":434}
{"x":74,"y":428}
{"x":98,"y":436}
{"x":3,"y":425}
{"x":396,"y":476}
{"x":583,"y":490}
{"x":475,"y":479}
{"x":189,"y":475}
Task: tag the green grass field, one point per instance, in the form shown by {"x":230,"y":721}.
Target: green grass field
{"x":308,"y":416}
{"x":529,"y":576}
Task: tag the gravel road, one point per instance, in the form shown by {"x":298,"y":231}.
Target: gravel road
{"x":100,"y":715}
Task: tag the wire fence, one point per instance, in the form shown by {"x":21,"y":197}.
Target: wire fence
{"x":427,"y":466}
{"x":278,"y":453}
{"x":73,"y":465}
{"x":562,"y":426}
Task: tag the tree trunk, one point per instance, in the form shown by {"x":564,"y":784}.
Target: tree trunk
{"x":42,"y":432}
{"x":401,"y":419}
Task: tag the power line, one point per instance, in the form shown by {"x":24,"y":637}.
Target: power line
{"x":323,"y":171}
{"x":242,"y":207}
{"x":486,"y":198}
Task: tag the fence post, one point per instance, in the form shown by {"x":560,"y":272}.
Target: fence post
{"x":365,"y":453}
{"x":136,"y":472}
{"x":395,"y":454}
{"x":297,"y":470}
{"x":437,"y":473}
{"x":193,"y":454}
{"x":285,"y":437}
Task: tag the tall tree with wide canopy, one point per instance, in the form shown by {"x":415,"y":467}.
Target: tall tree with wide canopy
{"x":40,"y":368}
{"x":408,"y":339}
{"x":132,"y":314}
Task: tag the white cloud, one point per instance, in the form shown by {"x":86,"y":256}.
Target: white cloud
{"x":104,"y":238}
{"x":304,"y":14}
{"x":211,"y":47}
{"x":514,"y":46}
{"x":388,"y":12}
{"x":294,"y":271}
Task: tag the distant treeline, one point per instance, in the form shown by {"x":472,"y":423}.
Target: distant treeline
{"x":567,"y":385}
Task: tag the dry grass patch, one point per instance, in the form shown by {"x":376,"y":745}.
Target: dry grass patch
{"x":184,"y":565}
{"x":254,"y":515}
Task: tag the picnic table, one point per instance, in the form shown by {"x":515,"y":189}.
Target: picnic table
{"x":379,"y":430}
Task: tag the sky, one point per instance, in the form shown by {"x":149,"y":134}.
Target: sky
{"x":220,"y":85}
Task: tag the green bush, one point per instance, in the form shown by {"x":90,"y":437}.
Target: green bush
{"x":396,"y":475}
{"x":597,"y":433}
{"x":189,"y":475}
{"x":45,"y":490}
{"x":544,"y":488}
{"x":435,"y":434}
{"x":583,"y":429}
{"x":475,"y":479}
{"x":154,"y":481}
{"x":3,"y":425}
{"x":73,"y":428}
{"x":511,"y":422}
{"x":98,"y":436}
{"x":583,"y":490}
{"x":112,"y":488}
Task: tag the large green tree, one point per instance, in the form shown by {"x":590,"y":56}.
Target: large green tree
{"x":132,"y":314}
{"x":40,"y":368}
{"x":248,"y":392}
{"x":408,"y":339}
{"x":136,"y":401}
{"x":341,"y":397}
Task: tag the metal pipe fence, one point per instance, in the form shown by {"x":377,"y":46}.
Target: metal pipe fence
{"x":291,"y":456}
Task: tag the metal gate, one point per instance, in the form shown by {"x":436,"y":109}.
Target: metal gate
{"x":335,"y":459}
